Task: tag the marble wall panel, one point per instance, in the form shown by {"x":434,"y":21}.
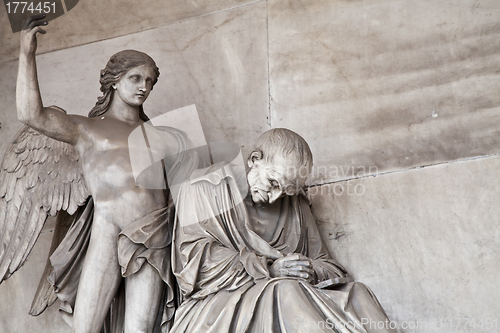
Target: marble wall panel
{"x":386,"y":84}
{"x":94,"y":20}
{"x":426,"y":241}
{"x":217,"y":62}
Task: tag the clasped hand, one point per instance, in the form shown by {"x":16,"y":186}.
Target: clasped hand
{"x":293,"y":265}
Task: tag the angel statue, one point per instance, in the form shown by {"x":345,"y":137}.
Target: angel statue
{"x":109,"y":261}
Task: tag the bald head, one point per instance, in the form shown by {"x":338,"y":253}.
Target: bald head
{"x":279,"y":164}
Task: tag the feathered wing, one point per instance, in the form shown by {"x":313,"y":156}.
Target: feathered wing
{"x":38,"y":177}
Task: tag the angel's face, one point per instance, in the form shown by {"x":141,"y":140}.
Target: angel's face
{"x":134,"y":87}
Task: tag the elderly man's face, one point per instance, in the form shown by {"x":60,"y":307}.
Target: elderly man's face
{"x":269,"y":181}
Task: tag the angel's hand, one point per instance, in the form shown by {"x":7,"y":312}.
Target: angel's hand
{"x":293,"y":265}
{"x":31,"y":26}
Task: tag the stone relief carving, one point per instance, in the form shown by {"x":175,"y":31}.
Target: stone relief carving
{"x":256,"y":262}
{"x":247,"y":254}
{"x":110,"y":257}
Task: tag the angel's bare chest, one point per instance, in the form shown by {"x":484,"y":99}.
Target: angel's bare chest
{"x":106,"y":162}
{"x":108,"y":168}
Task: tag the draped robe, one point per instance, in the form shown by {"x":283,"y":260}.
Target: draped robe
{"x":222,"y":265}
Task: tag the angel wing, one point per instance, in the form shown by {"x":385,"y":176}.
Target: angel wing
{"x":38,"y":177}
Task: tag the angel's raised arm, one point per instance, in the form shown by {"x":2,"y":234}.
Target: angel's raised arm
{"x":30,"y":111}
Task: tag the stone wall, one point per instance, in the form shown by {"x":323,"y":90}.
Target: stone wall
{"x":398,"y":100}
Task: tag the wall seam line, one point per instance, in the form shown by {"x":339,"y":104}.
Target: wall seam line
{"x":269,"y":115}
{"x":403,"y":170}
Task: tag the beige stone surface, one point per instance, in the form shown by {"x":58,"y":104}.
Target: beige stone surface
{"x":426,"y":241}
{"x":387,"y":84}
{"x":216,"y":62}
{"x":93,"y":20}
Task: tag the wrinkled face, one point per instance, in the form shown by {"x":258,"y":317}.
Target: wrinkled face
{"x":134,"y":87}
{"x":269,"y":181}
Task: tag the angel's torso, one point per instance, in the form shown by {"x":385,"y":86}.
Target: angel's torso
{"x":107,"y":168}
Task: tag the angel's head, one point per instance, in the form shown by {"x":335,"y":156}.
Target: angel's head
{"x":118,"y":65}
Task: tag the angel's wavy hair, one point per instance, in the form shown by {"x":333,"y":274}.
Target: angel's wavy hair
{"x":119,"y":64}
